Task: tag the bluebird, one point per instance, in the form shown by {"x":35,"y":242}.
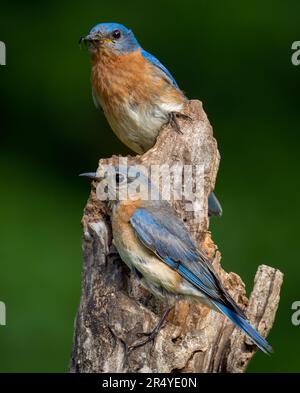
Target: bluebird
{"x":158,"y":248}
{"x":136,"y":92}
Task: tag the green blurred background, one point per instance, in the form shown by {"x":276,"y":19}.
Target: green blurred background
{"x":236,"y":57}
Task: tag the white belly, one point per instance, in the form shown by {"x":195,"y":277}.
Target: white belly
{"x":138,"y":125}
{"x":158,"y":278}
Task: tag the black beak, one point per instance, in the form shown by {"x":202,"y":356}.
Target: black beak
{"x":90,"y":175}
{"x":89,"y":38}
{"x":81,"y":40}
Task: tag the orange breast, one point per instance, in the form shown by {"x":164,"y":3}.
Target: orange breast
{"x":153,"y":269}
{"x":116,"y":79}
{"x":122,"y":228}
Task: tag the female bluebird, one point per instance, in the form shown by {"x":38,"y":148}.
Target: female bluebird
{"x":153,"y":241}
{"x":136,"y":92}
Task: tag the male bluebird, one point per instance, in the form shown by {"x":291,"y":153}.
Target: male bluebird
{"x":136,"y":92}
{"x":155,"y":244}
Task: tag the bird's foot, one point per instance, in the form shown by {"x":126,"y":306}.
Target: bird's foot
{"x":183,"y":115}
{"x":150,"y":338}
{"x":150,"y":335}
{"x":173,"y":120}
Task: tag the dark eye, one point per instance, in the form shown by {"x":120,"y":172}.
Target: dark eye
{"x":116,"y":34}
{"x":119,"y":178}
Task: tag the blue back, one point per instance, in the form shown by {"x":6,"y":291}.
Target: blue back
{"x":158,"y":64}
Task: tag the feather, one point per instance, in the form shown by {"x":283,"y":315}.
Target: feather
{"x":245,"y":326}
{"x":159,"y":229}
{"x":214,"y":206}
{"x":152,"y":59}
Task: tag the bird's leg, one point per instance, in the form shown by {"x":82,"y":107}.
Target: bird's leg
{"x":173,"y":120}
{"x":151,"y":335}
{"x":157,"y":328}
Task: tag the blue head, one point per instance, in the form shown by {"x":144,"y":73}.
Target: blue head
{"x":113,"y":36}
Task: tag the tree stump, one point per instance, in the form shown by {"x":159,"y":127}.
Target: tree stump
{"x":114,"y":307}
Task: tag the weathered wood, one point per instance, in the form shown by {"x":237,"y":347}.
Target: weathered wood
{"x":114,"y":307}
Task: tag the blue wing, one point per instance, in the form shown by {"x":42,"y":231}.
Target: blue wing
{"x":164,"y":233}
{"x":159,"y":229}
{"x":158,"y":64}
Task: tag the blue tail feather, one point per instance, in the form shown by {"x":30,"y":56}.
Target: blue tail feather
{"x":246,"y":327}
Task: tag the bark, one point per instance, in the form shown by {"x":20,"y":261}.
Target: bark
{"x":114,"y":307}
